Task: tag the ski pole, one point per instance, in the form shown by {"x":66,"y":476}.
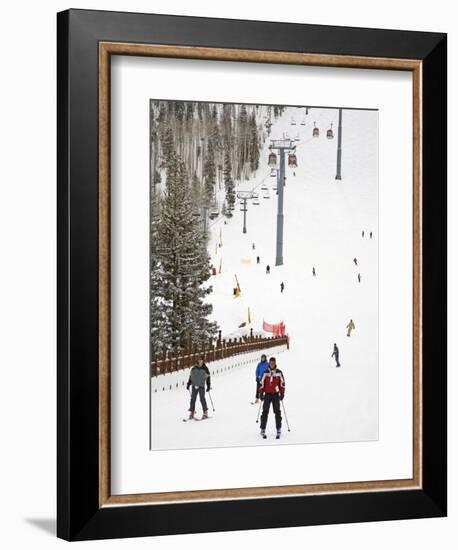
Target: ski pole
{"x":211,"y":400}
{"x":286,"y":418}
{"x":259,"y":411}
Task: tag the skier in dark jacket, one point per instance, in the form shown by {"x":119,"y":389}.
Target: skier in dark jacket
{"x":282,"y":287}
{"x":199,"y":377}
{"x":262,"y":367}
{"x":272,"y":390}
{"x":268,"y":269}
{"x":335,"y":354}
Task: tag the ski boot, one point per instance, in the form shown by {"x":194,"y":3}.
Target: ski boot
{"x":278,"y":434}
{"x":205,"y":415}
{"x":191,"y":415}
{"x":263,"y":434}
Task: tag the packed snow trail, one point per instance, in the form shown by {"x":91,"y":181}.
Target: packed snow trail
{"x":322,"y":230}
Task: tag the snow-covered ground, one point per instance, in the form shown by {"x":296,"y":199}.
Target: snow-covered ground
{"x":323,"y":222}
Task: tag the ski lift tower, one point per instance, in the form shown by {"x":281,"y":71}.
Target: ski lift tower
{"x":281,"y":146}
{"x":244,"y":196}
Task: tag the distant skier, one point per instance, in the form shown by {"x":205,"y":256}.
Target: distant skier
{"x":355,"y":261}
{"x":282,"y":287}
{"x":294,"y":173}
{"x":313,"y":272}
{"x":253,"y":246}
{"x":199,"y":377}
{"x":272,"y":390}
{"x":262,"y":367}
{"x":359,"y":277}
{"x":258,"y":261}
{"x":370,"y":234}
{"x":335,"y":354}
{"x":362,"y":233}
{"x":267,"y":270}
{"x":350,"y":327}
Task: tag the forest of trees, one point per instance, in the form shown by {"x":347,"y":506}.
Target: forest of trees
{"x":195,"y":149}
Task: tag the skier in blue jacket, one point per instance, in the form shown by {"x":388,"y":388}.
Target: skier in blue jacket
{"x":262,"y":367}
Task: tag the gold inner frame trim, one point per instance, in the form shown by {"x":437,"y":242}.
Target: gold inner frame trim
{"x":106,"y":50}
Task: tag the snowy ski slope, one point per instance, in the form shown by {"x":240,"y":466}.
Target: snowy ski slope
{"x":322,"y":229}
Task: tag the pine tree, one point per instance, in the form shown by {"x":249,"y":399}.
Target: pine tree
{"x":209,"y":172}
{"x":160,"y":335}
{"x":183,"y":266}
{"x":229,"y":184}
{"x":254,"y":144}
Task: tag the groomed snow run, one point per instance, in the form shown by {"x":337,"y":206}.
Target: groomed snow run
{"x":323,"y":224}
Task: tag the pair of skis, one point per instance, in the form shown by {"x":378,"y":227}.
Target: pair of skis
{"x":264,"y":436}
{"x":196,"y":419}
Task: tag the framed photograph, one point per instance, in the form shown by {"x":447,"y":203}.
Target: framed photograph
{"x":251,"y":275}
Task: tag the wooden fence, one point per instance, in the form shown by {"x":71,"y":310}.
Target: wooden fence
{"x":170,"y":361}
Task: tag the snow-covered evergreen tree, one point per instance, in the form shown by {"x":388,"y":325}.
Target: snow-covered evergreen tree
{"x":181,"y":268}
{"x":209,"y":172}
{"x":160,"y":334}
{"x":228,"y":184}
{"x":254,"y":143}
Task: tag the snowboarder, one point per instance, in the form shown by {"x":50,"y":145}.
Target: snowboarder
{"x":350,"y":327}
{"x":282,"y":287}
{"x":335,"y":354}
{"x":199,"y":377}
{"x":258,"y":260}
{"x":359,"y":277}
{"x":262,"y":367}
{"x":313,"y":272}
{"x":272,"y":390}
{"x":267,"y":270}
{"x":355,"y":261}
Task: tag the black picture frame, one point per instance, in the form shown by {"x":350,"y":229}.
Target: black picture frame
{"x":79,"y":514}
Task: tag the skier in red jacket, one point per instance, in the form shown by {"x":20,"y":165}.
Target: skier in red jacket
{"x":272,"y":390}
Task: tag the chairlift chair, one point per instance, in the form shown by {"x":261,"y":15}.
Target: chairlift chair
{"x":330,"y":133}
{"x":292,"y":160}
{"x":272,"y":162}
{"x":316,"y":130}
